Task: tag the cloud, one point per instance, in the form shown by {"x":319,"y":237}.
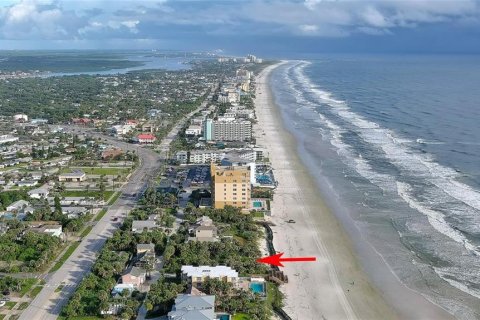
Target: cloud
{"x":374,"y":18}
{"x":113,"y":28}
{"x":37,"y":18}
{"x":150,"y":19}
{"x":309,"y":28}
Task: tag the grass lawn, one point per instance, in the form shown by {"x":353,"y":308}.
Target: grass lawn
{"x":83,"y":193}
{"x":114,"y":198}
{"x":86,"y":231}
{"x":23,"y":306}
{"x":240,"y":316}
{"x":35,"y":291}
{"x":2,"y":316}
{"x":258,"y":214}
{"x":18,"y":166}
{"x":65,"y":256}
{"x":98,"y":170}
{"x":9,"y":305}
{"x":27,"y":285}
{"x":100,"y":215}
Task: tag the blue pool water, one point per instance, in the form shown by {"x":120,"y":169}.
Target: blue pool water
{"x":257,"y":287}
{"x":264,"y":179}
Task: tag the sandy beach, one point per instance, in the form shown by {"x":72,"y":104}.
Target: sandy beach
{"x":334,"y":287}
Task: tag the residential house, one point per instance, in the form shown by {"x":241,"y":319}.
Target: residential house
{"x":73,"y":212}
{"x":27,"y":183}
{"x":203,"y":230}
{"x":197,"y":275}
{"x":138,"y":226}
{"x":145,"y":248}
{"x":52,"y":229}
{"x":74,"y":176}
{"x":18,"y":206}
{"x":113,"y":308}
{"x":134,"y":276}
{"x":79,"y":201}
{"x":37,"y":175}
{"x":192,"y":307}
{"x":145,"y":255}
{"x":39,"y":193}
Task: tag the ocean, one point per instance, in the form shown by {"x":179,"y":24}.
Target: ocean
{"x":394,"y":143}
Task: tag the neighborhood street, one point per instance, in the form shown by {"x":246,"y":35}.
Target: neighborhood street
{"x":48,"y":303}
{"x":62,"y":284}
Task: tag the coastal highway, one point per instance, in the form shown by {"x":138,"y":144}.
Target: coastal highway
{"x":49,"y":302}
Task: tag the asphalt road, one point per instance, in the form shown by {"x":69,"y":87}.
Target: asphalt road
{"x":48,"y":303}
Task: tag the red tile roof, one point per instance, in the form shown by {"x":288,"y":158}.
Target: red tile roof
{"x":146,"y":136}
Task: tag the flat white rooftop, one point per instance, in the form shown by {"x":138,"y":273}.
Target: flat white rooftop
{"x":208,"y":271}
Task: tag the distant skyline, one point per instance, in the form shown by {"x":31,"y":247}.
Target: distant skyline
{"x":271,"y":28}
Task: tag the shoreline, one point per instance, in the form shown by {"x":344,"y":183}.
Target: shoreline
{"x":336,"y":286}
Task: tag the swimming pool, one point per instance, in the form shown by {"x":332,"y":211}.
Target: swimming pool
{"x":257,"y":287}
{"x":257,"y":204}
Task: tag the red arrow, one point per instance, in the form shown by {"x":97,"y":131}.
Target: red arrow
{"x":276,"y":259}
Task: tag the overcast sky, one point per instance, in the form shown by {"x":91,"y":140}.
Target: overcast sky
{"x":274,"y":28}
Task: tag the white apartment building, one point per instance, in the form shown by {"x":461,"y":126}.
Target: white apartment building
{"x":207,"y":156}
{"x":193,"y":130}
{"x":227,"y":129}
{"x":236,"y":130}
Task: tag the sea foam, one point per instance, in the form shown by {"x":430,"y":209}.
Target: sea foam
{"x":398,"y":151}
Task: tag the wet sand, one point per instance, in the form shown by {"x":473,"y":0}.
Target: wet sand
{"x":335,"y":286}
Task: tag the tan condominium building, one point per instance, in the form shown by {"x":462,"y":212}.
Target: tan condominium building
{"x":231,"y":186}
